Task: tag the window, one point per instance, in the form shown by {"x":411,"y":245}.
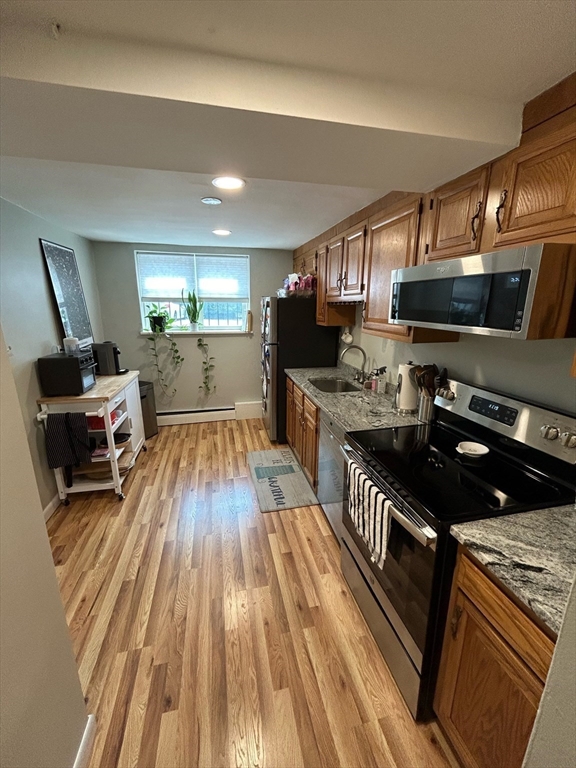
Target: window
{"x":222,"y":282}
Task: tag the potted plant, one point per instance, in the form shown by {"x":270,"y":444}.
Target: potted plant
{"x":193,"y":309}
{"x":158,"y":318}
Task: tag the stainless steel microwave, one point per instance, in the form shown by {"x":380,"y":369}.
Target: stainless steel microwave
{"x":491,"y":294}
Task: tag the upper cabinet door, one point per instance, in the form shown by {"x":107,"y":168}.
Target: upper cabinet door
{"x":538,"y":198}
{"x":353,"y":276}
{"x":306,"y":263}
{"x":321,"y":285}
{"x":392,"y":244}
{"x":456,"y":216}
{"x":334,"y":268}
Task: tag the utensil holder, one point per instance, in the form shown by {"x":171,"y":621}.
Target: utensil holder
{"x":425,"y":409}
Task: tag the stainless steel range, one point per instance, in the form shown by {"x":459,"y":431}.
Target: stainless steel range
{"x":399,"y":566}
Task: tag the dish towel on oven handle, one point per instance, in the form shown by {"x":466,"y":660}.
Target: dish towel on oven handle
{"x":369,"y":512}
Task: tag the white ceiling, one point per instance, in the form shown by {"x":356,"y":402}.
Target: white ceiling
{"x":115,"y":129}
{"x":496,"y":48}
{"x":145,"y":206}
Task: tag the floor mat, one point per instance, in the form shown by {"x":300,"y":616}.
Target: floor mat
{"x":279,"y":480}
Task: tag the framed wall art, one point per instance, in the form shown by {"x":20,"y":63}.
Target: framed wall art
{"x":68,"y":292}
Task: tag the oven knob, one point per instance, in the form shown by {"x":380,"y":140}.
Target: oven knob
{"x":446,"y":393}
{"x":548,"y":432}
{"x":568,"y":439}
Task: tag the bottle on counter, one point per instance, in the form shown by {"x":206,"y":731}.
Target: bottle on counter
{"x":376,"y":381}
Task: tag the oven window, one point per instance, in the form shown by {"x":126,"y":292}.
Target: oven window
{"x":406,"y":577}
{"x":88,"y":378}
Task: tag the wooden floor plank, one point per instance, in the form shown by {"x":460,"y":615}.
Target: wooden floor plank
{"x":210,"y":635}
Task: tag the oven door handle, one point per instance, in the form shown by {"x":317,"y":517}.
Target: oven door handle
{"x":425,"y":535}
{"x":345,"y":450}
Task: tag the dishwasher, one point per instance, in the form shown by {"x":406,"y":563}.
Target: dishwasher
{"x":331,"y":468}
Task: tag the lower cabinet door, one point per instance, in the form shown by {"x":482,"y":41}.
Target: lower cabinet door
{"x":310,"y":442}
{"x":290,"y":417}
{"x":487,"y":696}
{"x":297,"y":439}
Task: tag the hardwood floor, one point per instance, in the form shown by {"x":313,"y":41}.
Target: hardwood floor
{"x":209,"y":634}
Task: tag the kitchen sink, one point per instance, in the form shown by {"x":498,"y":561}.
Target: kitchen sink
{"x":334,"y":385}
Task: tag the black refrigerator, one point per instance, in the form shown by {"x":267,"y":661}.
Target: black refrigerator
{"x":290,"y":339}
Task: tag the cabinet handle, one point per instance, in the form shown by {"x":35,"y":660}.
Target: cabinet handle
{"x":500,"y":207}
{"x":345,"y":280}
{"x":474,"y":219}
{"x":455,"y":621}
{"x":364,"y":312}
{"x":339,"y":282}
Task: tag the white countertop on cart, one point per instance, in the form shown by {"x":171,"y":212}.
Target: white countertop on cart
{"x":105,"y":389}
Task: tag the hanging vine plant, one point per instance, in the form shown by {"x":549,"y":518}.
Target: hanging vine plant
{"x":207,"y":368}
{"x":165,"y":358}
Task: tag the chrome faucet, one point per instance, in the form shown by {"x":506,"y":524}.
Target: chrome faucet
{"x":361,"y":376}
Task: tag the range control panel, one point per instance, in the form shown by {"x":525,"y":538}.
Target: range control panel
{"x":548,"y":431}
{"x":493,"y":410}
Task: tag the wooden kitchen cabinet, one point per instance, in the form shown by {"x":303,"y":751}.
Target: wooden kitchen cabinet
{"x":334,"y":257}
{"x":302,"y":420}
{"x":305,"y":264}
{"x":495,"y":659}
{"x":538,"y":195}
{"x":455,"y":216}
{"x":310,"y":420}
{"x":290,"y":412}
{"x":330,"y":314}
{"x":393,"y":244}
{"x":345,"y":265}
{"x":353,"y":262}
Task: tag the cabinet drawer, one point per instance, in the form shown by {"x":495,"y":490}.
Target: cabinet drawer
{"x":289,"y":385}
{"x":511,"y":622}
{"x":310,"y":409}
{"x":116,"y":401}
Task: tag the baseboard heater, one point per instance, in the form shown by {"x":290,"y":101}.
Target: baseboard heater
{"x":195,"y":416}
{"x":194,"y":410}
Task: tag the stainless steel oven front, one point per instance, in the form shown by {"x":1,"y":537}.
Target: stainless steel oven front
{"x":397,"y":599}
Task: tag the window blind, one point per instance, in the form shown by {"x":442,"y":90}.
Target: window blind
{"x":164,"y":276}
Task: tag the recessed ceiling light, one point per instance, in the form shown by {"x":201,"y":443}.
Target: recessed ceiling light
{"x":211,"y":200}
{"x":228,"y":182}
{"x":221,"y":232}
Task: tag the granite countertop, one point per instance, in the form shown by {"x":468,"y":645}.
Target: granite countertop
{"x":532,"y":553}
{"x":351,"y":410}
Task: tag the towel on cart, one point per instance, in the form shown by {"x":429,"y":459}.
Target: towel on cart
{"x":368,"y":509}
{"x":67,"y":441}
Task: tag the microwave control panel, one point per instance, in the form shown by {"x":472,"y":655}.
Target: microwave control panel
{"x":493,"y":410}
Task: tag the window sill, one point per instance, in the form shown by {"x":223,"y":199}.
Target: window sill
{"x":202,"y":333}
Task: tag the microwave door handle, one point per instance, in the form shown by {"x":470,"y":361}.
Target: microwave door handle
{"x":426,"y":536}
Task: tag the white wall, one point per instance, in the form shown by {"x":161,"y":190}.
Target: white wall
{"x":28,"y":316}
{"x":42,"y":711}
{"x":553,"y":740}
{"x":533,"y":370}
{"x":237,"y":372}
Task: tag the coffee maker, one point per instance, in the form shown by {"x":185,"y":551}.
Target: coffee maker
{"x":107,"y":357}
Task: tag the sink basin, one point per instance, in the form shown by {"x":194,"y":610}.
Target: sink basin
{"x":334,"y":385}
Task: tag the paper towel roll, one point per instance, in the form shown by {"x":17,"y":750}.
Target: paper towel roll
{"x":407,"y":391}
